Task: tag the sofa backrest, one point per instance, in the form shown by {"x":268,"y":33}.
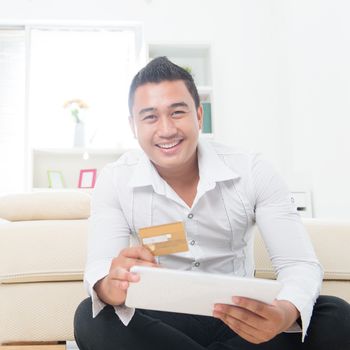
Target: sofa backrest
{"x":48,"y":242}
{"x":331,"y":240}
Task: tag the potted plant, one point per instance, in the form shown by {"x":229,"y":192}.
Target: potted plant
{"x":76,"y":107}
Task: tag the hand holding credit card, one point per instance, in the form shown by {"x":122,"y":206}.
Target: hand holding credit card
{"x":164,"y":239}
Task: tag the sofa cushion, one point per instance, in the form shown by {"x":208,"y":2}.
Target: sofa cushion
{"x":45,"y":250}
{"x":45,"y":206}
{"x":38,"y":312}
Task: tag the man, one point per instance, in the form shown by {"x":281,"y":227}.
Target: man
{"x":219,"y":194}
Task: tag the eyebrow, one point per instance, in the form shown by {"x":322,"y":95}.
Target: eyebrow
{"x":179,"y":104}
{"x":146,"y":110}
{"x":173,"y":105}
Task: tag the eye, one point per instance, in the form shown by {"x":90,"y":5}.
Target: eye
{"x":178,"y":113}
{"x":150,"y":117}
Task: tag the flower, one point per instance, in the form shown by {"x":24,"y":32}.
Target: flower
{"x":75,"y":105}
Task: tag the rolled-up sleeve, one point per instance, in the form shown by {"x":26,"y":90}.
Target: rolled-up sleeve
{"x":287,"y":242}
{"x":108,"y":234}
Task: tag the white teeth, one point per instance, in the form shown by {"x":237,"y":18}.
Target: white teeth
{"x":168,"y":145}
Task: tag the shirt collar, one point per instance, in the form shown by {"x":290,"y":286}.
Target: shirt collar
{"x":211,"y":169}
{"x":145,"y":174}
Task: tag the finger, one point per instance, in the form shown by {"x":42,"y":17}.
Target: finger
{"x":242,"y":315}
{"x":120,"y":284}
{"x":255,"y":306}
{"x":124,"y":285}
{"x":251,"y":325}
{"x":246,"y":331}
{"x":146,"y":263}
{"x":256,"y":337}
{"x":138,"y":252}
{"x":247,"y":336}
{"x":129,"y":263}
{"x":121,"y":274}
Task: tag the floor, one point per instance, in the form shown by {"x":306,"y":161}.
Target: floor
{"x":71,"y":345}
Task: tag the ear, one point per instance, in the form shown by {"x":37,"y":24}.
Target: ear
{"x":132,"y":126}
{"x":200,"y":116}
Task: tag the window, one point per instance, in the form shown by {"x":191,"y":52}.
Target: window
{"x":94,"y":66}
{"x":42,"y":67}
{"x":12,"y":110}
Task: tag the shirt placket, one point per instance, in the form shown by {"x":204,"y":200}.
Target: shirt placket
{"x":191,"y":224}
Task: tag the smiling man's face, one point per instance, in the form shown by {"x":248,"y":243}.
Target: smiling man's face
{"x":167,"y":124}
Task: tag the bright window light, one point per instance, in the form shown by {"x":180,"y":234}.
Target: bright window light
{"x":95,"y":66}
{"x":12,"y":108}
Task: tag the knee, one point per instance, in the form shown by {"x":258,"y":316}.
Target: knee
{"x":83,"y":311}
{"x":100,"y":332}
{"x":330,"y":323}
{"x":342,"y":319}
{"x":334,"y":309}
{"x":83,"y":315}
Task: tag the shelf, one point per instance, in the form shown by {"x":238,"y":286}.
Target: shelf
{"x":78,"y":150}
{"x":194,"y":56}
{"x":68,"y":189}
{"x":191,"y":50}
{"x":204,"y":90}
{"x":197,"y":58}
{"x":69,"y":162}
{"x":206,"y":135}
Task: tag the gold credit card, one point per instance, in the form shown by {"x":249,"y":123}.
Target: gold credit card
{"x":164,"y":239}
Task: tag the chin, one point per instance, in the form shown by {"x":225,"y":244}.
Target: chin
{"x":167,"y":164}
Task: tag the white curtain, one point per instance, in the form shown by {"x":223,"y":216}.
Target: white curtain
{"x":12,"y":111}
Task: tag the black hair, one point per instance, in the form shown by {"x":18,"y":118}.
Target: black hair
{"x":162,"y":69}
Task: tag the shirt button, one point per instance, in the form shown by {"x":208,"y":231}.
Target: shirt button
{"x":196,"y":264}
{"x":190,"y":215}
{"x":193,"y":242}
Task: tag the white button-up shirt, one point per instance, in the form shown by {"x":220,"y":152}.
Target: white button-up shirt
{"x":235,"y":191}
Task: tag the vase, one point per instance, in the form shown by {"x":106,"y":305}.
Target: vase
{"x":79,"y":135}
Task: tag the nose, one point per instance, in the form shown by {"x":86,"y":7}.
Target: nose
{"x":166,"y":127}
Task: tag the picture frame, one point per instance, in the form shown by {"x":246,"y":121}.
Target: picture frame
{"x":87,"y":178}
{"x":55,"y":178}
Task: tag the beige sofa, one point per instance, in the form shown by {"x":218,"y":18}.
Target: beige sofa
{"x":42,"y":254}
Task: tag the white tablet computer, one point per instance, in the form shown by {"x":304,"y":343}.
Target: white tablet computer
{"x":193,"y":292}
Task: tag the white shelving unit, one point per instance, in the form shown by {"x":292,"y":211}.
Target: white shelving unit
{"x":69,"y":162}
{"x":197,"y":58}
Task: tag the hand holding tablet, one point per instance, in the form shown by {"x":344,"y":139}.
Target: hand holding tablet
{"x":193,"y":292}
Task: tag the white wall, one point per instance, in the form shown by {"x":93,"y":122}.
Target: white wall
{"x":281,"y":75}
{"x":319,"y":82}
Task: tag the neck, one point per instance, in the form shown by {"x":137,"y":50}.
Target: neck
{"x":183,"y":180}
{"x":188,"y":174}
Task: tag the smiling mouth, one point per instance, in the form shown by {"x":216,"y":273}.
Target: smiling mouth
{"x":168,"y":145}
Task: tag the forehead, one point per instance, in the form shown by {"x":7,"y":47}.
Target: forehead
{"x":158,"y":95}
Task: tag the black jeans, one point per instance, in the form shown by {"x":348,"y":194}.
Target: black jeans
{"x":154,"y":330}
